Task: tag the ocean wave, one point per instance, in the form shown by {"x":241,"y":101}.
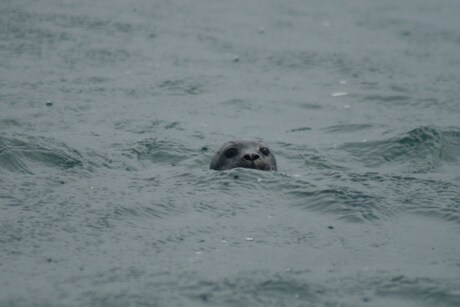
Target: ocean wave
{"x":373,"y":196}
{"x":26,"y":154}
{"x":420,"y":150}
{"x":159,"y":151}
{"x":346,"y":203}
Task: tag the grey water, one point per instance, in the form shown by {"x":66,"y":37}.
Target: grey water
{"x":110,"y":112}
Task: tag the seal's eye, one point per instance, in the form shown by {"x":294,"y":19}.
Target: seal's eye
{"x":231,"y":153}
{"x":265,"y":151}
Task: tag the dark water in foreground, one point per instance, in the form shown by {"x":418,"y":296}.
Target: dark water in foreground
{"x":110,"y":112}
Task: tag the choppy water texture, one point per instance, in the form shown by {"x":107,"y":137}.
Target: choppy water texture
{"x":110,"y":112}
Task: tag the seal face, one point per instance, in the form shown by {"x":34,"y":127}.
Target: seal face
{"x":247,"y":154}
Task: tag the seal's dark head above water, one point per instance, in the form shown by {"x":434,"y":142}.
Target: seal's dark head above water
{"x":248,"y":154}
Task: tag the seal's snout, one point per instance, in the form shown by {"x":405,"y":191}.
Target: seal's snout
{"x":246,"y":154}
{"x":251,"y":156}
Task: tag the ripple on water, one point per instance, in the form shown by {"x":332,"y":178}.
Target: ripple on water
{"x":232,"y":192}
{"x":160,"y":151}
{"x":346,"y":203}
{"x":373,"y":196}
{"x":26,"y":154}
{"x":430,"y":197}
{"x":406,"y":173}
{"x":292,"y":288}
{"x":420,"y":150}
{"x":427,"y":290}
{"x":175,"y":192}
{"x":181,"y":87}
{"x":256,"y":288}
{"x":348,"y":128}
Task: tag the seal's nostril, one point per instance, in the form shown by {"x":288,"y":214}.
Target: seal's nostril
{"x":251,"y":157}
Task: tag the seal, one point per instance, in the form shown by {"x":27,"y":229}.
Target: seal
{"x":247,"y":154}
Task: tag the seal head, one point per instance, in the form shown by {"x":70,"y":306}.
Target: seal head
{"x":247,"y":154}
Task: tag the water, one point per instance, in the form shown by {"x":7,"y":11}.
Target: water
{"x":110,"y":113}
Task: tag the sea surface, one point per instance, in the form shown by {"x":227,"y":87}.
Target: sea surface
{"x":111,"y":110}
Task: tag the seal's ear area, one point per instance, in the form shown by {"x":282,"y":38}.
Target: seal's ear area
{"x":215,"y":162}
